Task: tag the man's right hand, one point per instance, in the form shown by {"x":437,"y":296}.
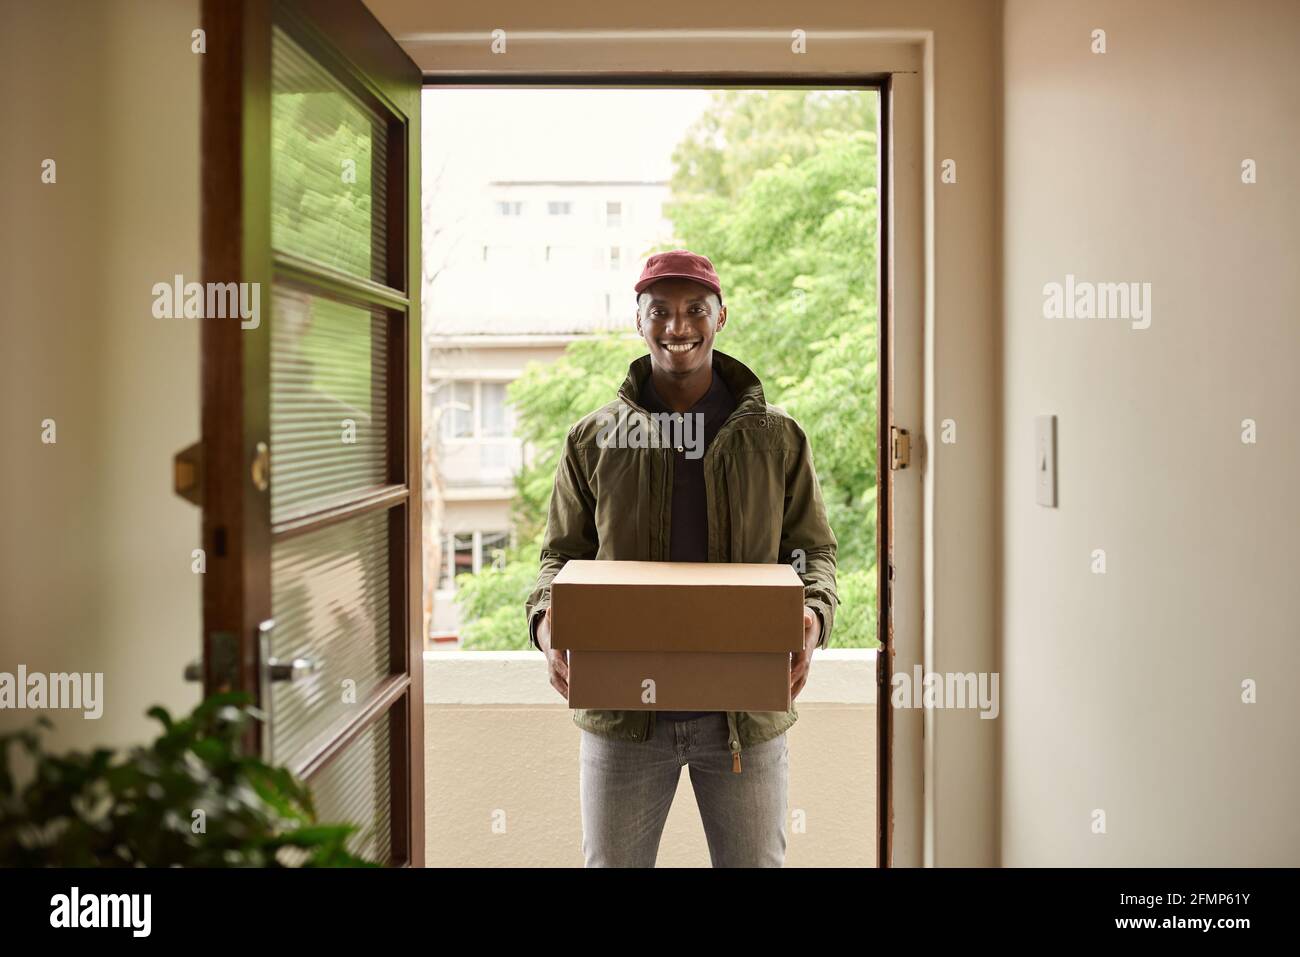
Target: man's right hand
{"x":556,"y":661}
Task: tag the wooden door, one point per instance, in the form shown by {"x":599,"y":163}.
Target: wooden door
{"x":311,"y":403}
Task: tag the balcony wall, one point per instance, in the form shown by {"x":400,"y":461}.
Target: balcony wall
{"x":501,"y":767}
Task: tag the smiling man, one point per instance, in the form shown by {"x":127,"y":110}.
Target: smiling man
{"x":752,"y":496}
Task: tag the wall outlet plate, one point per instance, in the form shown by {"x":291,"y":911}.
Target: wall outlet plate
{"x":1045,"y":459}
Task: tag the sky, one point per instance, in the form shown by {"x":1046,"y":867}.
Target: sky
{"x":489,"y":134}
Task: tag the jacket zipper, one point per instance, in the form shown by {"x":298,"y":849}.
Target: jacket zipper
{"x":734,"y":742}
{"x":663,"y":551}
{"x":731,"y":719}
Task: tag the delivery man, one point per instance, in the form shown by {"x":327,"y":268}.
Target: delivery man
{"x":752,"y":496}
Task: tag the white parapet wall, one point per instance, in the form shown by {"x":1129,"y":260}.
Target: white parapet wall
{"x":501,"y":767}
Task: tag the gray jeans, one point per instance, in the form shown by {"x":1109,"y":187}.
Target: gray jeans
{"x":627,"y":788}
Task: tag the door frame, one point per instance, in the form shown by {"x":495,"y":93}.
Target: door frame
{"x":904,"y":79}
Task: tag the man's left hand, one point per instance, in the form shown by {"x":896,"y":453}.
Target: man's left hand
{"x":801,"y":661}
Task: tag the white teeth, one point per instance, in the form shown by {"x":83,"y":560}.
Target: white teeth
{"x":680,"y":347}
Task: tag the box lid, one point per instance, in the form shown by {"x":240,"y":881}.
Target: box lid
{"x":677,"y":606}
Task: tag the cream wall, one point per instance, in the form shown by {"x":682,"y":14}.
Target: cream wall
{"x":495,"y":712}
{"x":1123,"y":691}
{"x":95,"y":568}
{"x":529,"y":786}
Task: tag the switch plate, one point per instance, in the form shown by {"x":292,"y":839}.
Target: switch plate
{"x":1045,"y":459}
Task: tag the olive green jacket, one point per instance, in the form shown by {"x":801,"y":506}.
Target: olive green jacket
{"x":764,"y":506}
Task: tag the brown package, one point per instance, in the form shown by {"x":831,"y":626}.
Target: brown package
{"x":677,"y":636}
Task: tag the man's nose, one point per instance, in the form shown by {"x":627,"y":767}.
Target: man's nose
{"x":678,"y":324}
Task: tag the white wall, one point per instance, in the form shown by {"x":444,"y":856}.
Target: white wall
{"x":1123,"y":692}
{"x":522,"y":808}
{"x":95,"y":563}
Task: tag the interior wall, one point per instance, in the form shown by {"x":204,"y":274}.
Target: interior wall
{"x":95,"y":567}
{"x":1124,"y":689}
{"x":964,"y":531}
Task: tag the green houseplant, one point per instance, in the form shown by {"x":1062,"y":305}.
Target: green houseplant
{"x":191,"y":798}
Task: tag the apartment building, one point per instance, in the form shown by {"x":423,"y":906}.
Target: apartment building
{"x":538,"y":264}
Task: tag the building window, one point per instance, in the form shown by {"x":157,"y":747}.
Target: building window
{"x":507,"y":207}
{"x":613,"y":214}
{"x":492,"y":396}
{"x":492,"y":549}
{"x":506,"y":257}
{"x":566,"y":255}
{"x":457,"y":558}
{"x":477,"y":445}
{"x":615,"y":257}
{"x":554,"y":208}
{"x":470,"y":553}
{"x":457,"y":410}
{"x":473,"y":409}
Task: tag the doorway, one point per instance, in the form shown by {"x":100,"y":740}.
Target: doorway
{"x":540,"y":203}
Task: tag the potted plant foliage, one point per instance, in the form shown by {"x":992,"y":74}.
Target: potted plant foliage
{"x":191,"y":798}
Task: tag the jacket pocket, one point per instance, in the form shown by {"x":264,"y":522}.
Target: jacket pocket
{"x":622,"y":491}
{"x":755,"y":489}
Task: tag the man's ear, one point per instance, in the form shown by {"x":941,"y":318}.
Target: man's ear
{"x":722,"y":319}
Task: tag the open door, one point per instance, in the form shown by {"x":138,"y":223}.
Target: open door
{"x":311,"y":403}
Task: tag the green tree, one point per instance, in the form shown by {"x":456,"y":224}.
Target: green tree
{"x":779,"y":190}
{"x":745,"y":131}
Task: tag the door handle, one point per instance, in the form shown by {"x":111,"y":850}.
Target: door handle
{"x":272,"y":670}
{"x":276,"y":670}
{"x":291,"y":671}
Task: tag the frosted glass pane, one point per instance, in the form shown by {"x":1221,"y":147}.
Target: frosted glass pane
{"x":329,"y":413}
{"x":330,"y":597}
{"x":328,"y":167}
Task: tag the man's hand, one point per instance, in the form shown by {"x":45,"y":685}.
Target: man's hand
{"x":800,"y":661}
{"x":556,"y":661}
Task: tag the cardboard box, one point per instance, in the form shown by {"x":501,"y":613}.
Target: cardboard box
{"x":691,"y":636}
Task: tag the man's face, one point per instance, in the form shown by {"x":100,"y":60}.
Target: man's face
{"x":679,"y":323}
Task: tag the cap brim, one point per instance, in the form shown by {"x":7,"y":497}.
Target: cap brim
{"x":643,"y":284}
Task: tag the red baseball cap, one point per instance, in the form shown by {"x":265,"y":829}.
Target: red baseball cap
{"x":679,"y":264}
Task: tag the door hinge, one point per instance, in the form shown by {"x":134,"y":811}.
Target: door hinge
{"x":900,"y":448}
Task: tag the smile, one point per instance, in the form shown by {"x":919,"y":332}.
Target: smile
{"x":678,"y":348}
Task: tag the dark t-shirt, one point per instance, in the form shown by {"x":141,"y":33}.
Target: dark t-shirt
{"x":689,"y":536}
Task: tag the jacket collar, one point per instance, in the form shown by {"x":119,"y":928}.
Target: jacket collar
{"x":740,"y":379}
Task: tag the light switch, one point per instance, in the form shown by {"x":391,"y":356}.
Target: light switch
{"x":1045,"y":459}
